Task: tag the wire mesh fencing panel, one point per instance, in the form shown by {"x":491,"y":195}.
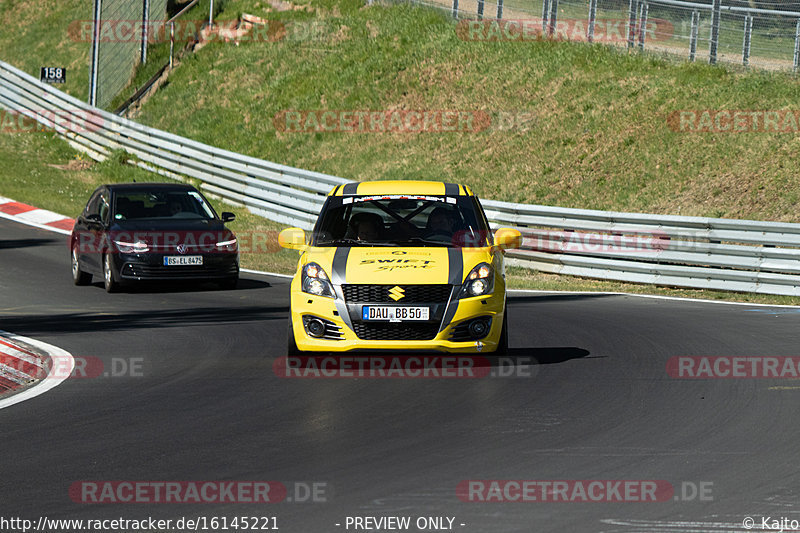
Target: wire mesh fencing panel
{"x":122,"y":30}
{"x":755,"y":33}
{"x":772,"y":39}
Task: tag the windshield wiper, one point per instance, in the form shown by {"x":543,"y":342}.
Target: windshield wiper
{"x":357,"y":242}
{"x":423,"y":240}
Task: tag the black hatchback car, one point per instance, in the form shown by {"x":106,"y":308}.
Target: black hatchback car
{"x":152,"y":231}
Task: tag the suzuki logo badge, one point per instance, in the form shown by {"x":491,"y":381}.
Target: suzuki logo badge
{"x":396,"y":293}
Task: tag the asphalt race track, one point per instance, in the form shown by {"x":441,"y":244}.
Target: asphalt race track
{"x":202,"y":403}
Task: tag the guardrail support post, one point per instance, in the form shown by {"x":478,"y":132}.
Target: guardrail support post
{"x":693,"y":35}
{"x":715,"y":16}
{"x":748,"y":34}
{"x":171,"y":43}
{"x":642,"y":24}
{"x":633,"y":5}
{"x":480,"y":9}
{"x":211,"y":13}
{"x":592,"y":17}
{"x":455,"y":9}
{"x":797,"y":46}
{"x":499,"y":9}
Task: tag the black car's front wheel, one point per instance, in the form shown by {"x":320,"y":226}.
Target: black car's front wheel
{"x":111,"y":284}
{"x":79,"y":277}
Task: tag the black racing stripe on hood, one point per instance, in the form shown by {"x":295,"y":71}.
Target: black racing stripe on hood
{"x":338,"y":270}
{"x":339,"y":265}
{"x":456,"y":266}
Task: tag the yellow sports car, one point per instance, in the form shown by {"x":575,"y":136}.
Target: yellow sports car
{"x":399,"y":265}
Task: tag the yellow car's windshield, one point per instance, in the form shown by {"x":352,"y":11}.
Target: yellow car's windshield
{"x":401,"y":220}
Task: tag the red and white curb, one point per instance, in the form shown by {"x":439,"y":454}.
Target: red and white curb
{"x":30,"y":366}
{"x":33,"y":216}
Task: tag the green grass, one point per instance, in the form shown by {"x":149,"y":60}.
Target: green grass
{"x":36,"y":33}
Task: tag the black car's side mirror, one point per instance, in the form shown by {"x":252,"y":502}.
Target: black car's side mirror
{"x":228,"y":217}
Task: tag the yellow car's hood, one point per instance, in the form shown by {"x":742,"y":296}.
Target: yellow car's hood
{"x":397,"y":265}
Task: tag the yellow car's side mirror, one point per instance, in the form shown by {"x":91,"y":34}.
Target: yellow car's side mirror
{"x":293,"y":239}
{"x":505,"y":238}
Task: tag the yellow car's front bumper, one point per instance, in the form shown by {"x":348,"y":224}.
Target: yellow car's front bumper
{"x":304,"y":304}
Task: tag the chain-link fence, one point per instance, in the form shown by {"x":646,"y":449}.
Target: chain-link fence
{"x":748,"y":32}
{"x":118,"y":43}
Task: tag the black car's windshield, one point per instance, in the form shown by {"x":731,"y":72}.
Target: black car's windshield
{"x":161,"y":204}
{"x":401,"y":220}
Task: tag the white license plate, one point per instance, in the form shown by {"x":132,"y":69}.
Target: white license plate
{"x":183,"y":260}
{"x":394,"y":314}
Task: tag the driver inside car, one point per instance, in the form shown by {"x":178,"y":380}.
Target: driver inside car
{"x":366,"y":227}
{"x":440,"y":223}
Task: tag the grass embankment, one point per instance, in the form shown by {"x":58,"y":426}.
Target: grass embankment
{"x":600,"y":137}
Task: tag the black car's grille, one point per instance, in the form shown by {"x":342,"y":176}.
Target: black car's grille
{"x":142,"y":271}
{"x":396,"y":332}
{"x":412,"y":294}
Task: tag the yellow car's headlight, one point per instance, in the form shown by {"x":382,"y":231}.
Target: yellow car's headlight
{"x":479,"y":282}
{"x":315,"y":281}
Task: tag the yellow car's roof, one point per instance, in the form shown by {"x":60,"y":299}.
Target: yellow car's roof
{"x":370,"y":188}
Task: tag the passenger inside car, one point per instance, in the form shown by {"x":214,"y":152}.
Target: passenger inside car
{"x":365,"y":227}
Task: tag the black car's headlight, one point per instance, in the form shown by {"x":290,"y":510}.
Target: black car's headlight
{"x":479,"y":282}
{"x":315,"y":281}
{"x":138,"y":247}
{"x":229,"y":245}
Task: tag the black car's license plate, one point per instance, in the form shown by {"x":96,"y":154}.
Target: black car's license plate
{"x":183,"y":260}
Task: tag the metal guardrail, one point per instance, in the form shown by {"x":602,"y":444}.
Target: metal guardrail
{"x":695,"y":252}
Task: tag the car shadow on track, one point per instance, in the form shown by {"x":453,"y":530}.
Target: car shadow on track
{"x":157,"y":287}
{"x":8,"y":244}
{"x":87,"y":322}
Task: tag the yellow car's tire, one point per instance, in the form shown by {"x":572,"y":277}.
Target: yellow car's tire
{"x":291,"y":345}
{"x":502,"y":344}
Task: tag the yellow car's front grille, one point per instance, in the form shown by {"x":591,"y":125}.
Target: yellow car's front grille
{"x":424,"y":331}
{"x":408,"y":294}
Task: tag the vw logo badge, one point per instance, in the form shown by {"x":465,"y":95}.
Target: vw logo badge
{"x":181,"y":248}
